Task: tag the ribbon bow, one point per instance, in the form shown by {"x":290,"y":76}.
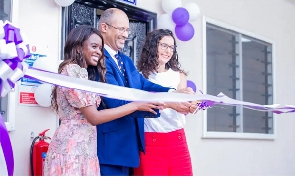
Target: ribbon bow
{"x":13,"y":50}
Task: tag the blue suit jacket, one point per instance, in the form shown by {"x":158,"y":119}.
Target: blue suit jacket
{"x":119,"y":141}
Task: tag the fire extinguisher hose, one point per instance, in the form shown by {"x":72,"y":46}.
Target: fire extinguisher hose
{"x":31,"y":154}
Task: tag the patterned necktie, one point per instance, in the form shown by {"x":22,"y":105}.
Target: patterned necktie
{"x":120,"y":64}
{"x":121,"y":67}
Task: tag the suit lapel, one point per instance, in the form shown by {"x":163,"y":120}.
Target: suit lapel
{"x":108,"y":57}
{"x":127,"y":68}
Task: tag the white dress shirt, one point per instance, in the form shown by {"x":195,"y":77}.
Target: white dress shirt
{"x":111,"y":52}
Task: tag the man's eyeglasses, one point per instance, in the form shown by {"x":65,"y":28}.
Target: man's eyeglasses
{"x":121,"y":29}
{"x":164,"y":46}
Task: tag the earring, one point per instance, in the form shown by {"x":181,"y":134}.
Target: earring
{"x":79,"y":57}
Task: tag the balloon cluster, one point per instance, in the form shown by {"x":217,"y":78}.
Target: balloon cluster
{"x":42,"y":92}
{"x":13,"y":50}
{"x":178,"y":18}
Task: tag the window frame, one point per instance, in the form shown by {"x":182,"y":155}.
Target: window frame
{"x":11,"y":100}
{"x":235,"y":135}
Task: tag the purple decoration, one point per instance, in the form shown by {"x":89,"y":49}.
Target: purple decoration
{"x":1,"y":82}
{"x":20,"y":54}
{"x":11,"y":63}
{"x":8,"y":26}
{"x":9,"y":33}
{"x":204,"y":104}
{"x":20,"y":66}
{"x":12,"y":34}
{"x":28,"y":49}
{"x":7,"y":148}
{"x":191,"y":84}
{"x":9,"y":36}
{"x":180,"y":16}
{"x":17,"y":37}
{"x":185,"y":32}
{"x":11,"y":84}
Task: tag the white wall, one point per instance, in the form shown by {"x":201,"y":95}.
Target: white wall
{"x":270,"y":18}
{"x":273,"y":19}
{"x":40,"y":21}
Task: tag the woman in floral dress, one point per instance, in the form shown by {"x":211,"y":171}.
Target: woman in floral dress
{"x":73,"y":149}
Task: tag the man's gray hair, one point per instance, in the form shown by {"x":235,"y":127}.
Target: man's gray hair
{"x":106,"y":17}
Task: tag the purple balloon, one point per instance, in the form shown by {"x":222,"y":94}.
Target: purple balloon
{"x":6,"y":146}
{"x":192,"y":85}
{"x":180,"y":16}
{"x":184,"y":32}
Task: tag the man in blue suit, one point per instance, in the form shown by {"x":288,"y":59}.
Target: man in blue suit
{"x":119,"y":141}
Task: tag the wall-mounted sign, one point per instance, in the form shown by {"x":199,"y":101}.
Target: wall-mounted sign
{"x":133,"y":2}
{"x":27,"y":98}
{"x":27,"y":86}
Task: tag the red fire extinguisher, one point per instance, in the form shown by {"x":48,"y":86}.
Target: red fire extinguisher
{"x":38,"y":153}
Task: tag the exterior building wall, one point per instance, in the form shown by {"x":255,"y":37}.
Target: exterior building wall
{"x":272,"y":19}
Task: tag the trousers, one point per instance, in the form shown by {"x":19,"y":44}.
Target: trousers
{"x":166,"y":154}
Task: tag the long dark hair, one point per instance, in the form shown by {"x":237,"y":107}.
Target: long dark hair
{"x":76,"y":39}
{"x":148,"y":60}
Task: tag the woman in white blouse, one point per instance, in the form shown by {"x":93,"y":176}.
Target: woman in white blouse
{"x":166,"y":152}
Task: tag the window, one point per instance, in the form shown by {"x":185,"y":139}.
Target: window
{"x":5,"y":10}
{"x":3,"y":107}
{"x":7,"y":103}
{"x":240,"y":66}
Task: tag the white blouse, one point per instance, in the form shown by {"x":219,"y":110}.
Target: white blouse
{"x":170,"y":120}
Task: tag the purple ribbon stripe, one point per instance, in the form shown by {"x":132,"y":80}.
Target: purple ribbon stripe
{"x":6,"y":146}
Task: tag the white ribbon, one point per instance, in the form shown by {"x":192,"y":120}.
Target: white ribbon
{"x":131,"y":94}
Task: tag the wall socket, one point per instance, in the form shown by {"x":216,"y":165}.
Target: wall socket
{"x":32,"y":135}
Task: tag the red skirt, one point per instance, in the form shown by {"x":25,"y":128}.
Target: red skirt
{"x":166,"y":154}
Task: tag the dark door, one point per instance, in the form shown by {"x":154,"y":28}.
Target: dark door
{"x":88,"y":12}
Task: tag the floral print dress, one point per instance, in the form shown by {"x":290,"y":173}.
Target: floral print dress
{"x":73,"y":148}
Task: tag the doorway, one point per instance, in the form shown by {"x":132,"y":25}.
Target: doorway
{"x":87,"y":12}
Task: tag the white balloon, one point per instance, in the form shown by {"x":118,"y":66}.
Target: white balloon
{"x":46,"y":64}
{"x":165,"y":22}
{"x":64,"y":3}
{"x":193,"y":10}
{"x":42,"y":94}
{"x":170,"y":5}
